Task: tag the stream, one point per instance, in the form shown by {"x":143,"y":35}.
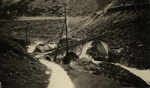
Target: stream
{"x":143,"y":74}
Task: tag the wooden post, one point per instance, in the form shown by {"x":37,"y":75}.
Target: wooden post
{"x":140,"y":7}
{"x":58,"y":44}
{"x":135,"y":7}
{"x":130,"y":7}
{"x":117,"y":9}
{"x":26,"y":24}
{"x":66,"y":30}
{"x":125,"y":8}
{"x":0,"y":85}
{"x":26,"y":36}
{"x":121,"y":8}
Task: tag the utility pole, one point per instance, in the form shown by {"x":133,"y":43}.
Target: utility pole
{"x":59,"y":43}
{"x":26,"y":36}
{"x":26,"y":23}
{"x":66,"y":28}
{"x":9,"y":30}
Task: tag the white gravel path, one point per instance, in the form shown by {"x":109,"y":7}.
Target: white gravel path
{"x":59,"y":77}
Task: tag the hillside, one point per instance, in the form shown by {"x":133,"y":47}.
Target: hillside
{"x":125,"y":29}
{"x":11,"y":9}
{"x":16,"y":8}
{"x":75,"y":7}
{"x":38,"y":30}
{"x":18,"y":69}
{"x":47,"y":8}
{"x":121,"y":29}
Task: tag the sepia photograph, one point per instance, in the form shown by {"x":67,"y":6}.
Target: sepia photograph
{"x":74,"y":43}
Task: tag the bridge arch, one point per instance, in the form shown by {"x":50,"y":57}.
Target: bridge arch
{"x":47,"y":57}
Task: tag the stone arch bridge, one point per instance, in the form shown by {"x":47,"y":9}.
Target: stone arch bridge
{"x":79,"y":47}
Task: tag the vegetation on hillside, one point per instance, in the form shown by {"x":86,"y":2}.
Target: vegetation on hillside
{"x":18,"y":69}
{"x":127,"y":29}
{"x":57,"y":7}
{"x":48,"y":8}
{"x":42,"y":30}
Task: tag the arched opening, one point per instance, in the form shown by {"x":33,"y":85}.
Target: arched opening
{"x":47,"y":57}
{"x":71,"y":56}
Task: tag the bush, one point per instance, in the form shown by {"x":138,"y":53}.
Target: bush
{"x":8,"y":46}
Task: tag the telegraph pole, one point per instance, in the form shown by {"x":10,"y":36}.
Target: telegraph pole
{"x":26,"y":36}
{"x":66,"y":28}
{"x":59,"y":43}
{"x":26,"y":23}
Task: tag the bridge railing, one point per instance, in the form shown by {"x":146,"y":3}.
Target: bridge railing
{"x":74,"y":43}
{"x":129,"y":7}
{"x":78,"y":42}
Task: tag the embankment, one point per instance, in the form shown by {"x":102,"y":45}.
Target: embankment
{"x":18,"y":69}
{"x":128,"y":30}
